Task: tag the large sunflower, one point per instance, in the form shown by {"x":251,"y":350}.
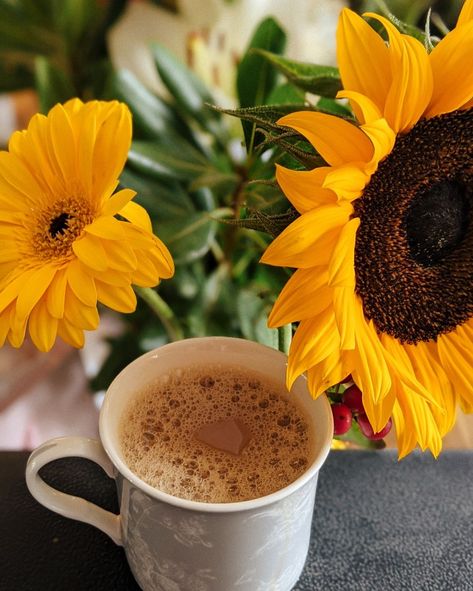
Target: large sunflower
{"x":383,"y":248}
{"x":63,"y":248}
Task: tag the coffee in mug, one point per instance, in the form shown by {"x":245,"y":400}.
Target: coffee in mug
{"x":217,"y":434}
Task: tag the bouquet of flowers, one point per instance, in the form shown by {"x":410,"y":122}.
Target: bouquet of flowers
{"x":347,"y":191}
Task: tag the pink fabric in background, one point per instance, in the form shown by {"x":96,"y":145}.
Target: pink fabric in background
{"x":43,"y":395}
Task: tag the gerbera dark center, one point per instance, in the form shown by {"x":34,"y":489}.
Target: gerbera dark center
{"x":59,"y":224}
{"x":437,"y":221}
{"x":414,"y":246}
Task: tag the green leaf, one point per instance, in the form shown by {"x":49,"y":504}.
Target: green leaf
{"x":271,"y":224}
{"x":172,"y":159}
{"x":188,"y":237}
{"x":52,"y":84}
{"x":286,"y":94}
{"x":252,"y":316}
{"x":255,"y":77}
{"x":189,"y":92}
{"x":321,"y":80}
{"x":152,"y":116}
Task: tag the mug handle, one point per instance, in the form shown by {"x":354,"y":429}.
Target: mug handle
{"x":70,"y":505}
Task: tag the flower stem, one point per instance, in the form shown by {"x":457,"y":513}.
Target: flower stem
{"x":162,"y":311}
{"x":285,"y":338}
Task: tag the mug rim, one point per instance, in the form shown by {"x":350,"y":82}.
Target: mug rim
{"x":115,"y":456}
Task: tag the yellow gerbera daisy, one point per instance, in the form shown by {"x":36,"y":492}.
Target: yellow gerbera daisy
{"x":63,"y":248}
{"x":383,"y":248}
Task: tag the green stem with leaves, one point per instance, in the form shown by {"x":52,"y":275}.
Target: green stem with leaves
{"x":162,"y":311}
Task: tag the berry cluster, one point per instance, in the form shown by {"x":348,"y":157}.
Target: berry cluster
{"x":349,"y":408}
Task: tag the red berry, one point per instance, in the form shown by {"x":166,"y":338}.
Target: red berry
{"x":342,"y":418}
{"x":352,"y":397}
{"x":367,"y":429}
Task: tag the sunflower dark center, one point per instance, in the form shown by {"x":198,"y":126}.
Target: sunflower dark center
{"x":437,"y":221}
{"x":414,"y":246}
{"x":59,"y":224}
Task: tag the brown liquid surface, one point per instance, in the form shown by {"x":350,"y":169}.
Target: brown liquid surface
{"x":161,"y":435}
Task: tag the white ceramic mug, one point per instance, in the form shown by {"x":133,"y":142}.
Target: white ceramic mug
{"x":182,"y":545}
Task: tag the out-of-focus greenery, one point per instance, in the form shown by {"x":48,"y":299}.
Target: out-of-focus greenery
{"x":211,"y":195}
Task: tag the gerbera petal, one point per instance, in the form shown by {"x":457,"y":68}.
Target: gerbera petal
{"x":82,"y":283}
{"x":70,"y":334}
{"x":106,"y":227}
{"x":371,"y":372}
{"x":120,"y":255}
{"x":296,"y":245}
{"x":336,"y":140}
{"x":56,"y":294}
{"x":63,"y":141}
{"x":136,"y":214}
{"x":10,"y":291}
{"x":162,"y":259}
{"x":303,"y":188}
{"x":117,"y":201}
{"x":113,"y":277}
{"x":113,"y":137}
{"x":4,"y":324}
{"x":146,"y":275}
{"x":90,"y":251}
{"x":363,"y":58}
{"x":78,"y":314}
{"x":121,"y":299}
{"x":34,"y":289}
{"x":305,"y":295}
{"x":42,"y":327}
{"x":17,"y":333}
{"x":15,"y":173}
{"x":453,"y":76}
{"x":316,"y":339}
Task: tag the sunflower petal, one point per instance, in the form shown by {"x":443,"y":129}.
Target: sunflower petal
{"x":344,"y":307}
{"x":336,"y":140}
{"x":316,"y":339}
{"x":347,"y":182}
{"x":305,"y":295}
{"x":303,"y":188}
{"x":371,"y":372}
{"x":341,"y":270}
{"x":365,"y":109}
{"x":458,"y":364}
{"x":330,"y":371}
{"x":412,"y":80}
{"x":363,"y":59}
{"x":466,"y":13}
{"x":296,"y":245}
{"x":453,"y":77}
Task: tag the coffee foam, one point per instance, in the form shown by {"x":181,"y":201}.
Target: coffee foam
{"x":158,"y":442}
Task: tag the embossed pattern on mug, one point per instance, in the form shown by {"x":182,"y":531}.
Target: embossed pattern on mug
{"x":160,"y":428}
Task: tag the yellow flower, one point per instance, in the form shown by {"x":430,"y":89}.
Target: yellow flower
{"x":383,"y":248}
{"x":63,"y":248}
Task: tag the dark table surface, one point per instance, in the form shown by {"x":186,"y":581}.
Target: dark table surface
{"x":378,"y":525}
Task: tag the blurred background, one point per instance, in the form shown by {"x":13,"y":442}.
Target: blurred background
{"x":168,"y":60}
